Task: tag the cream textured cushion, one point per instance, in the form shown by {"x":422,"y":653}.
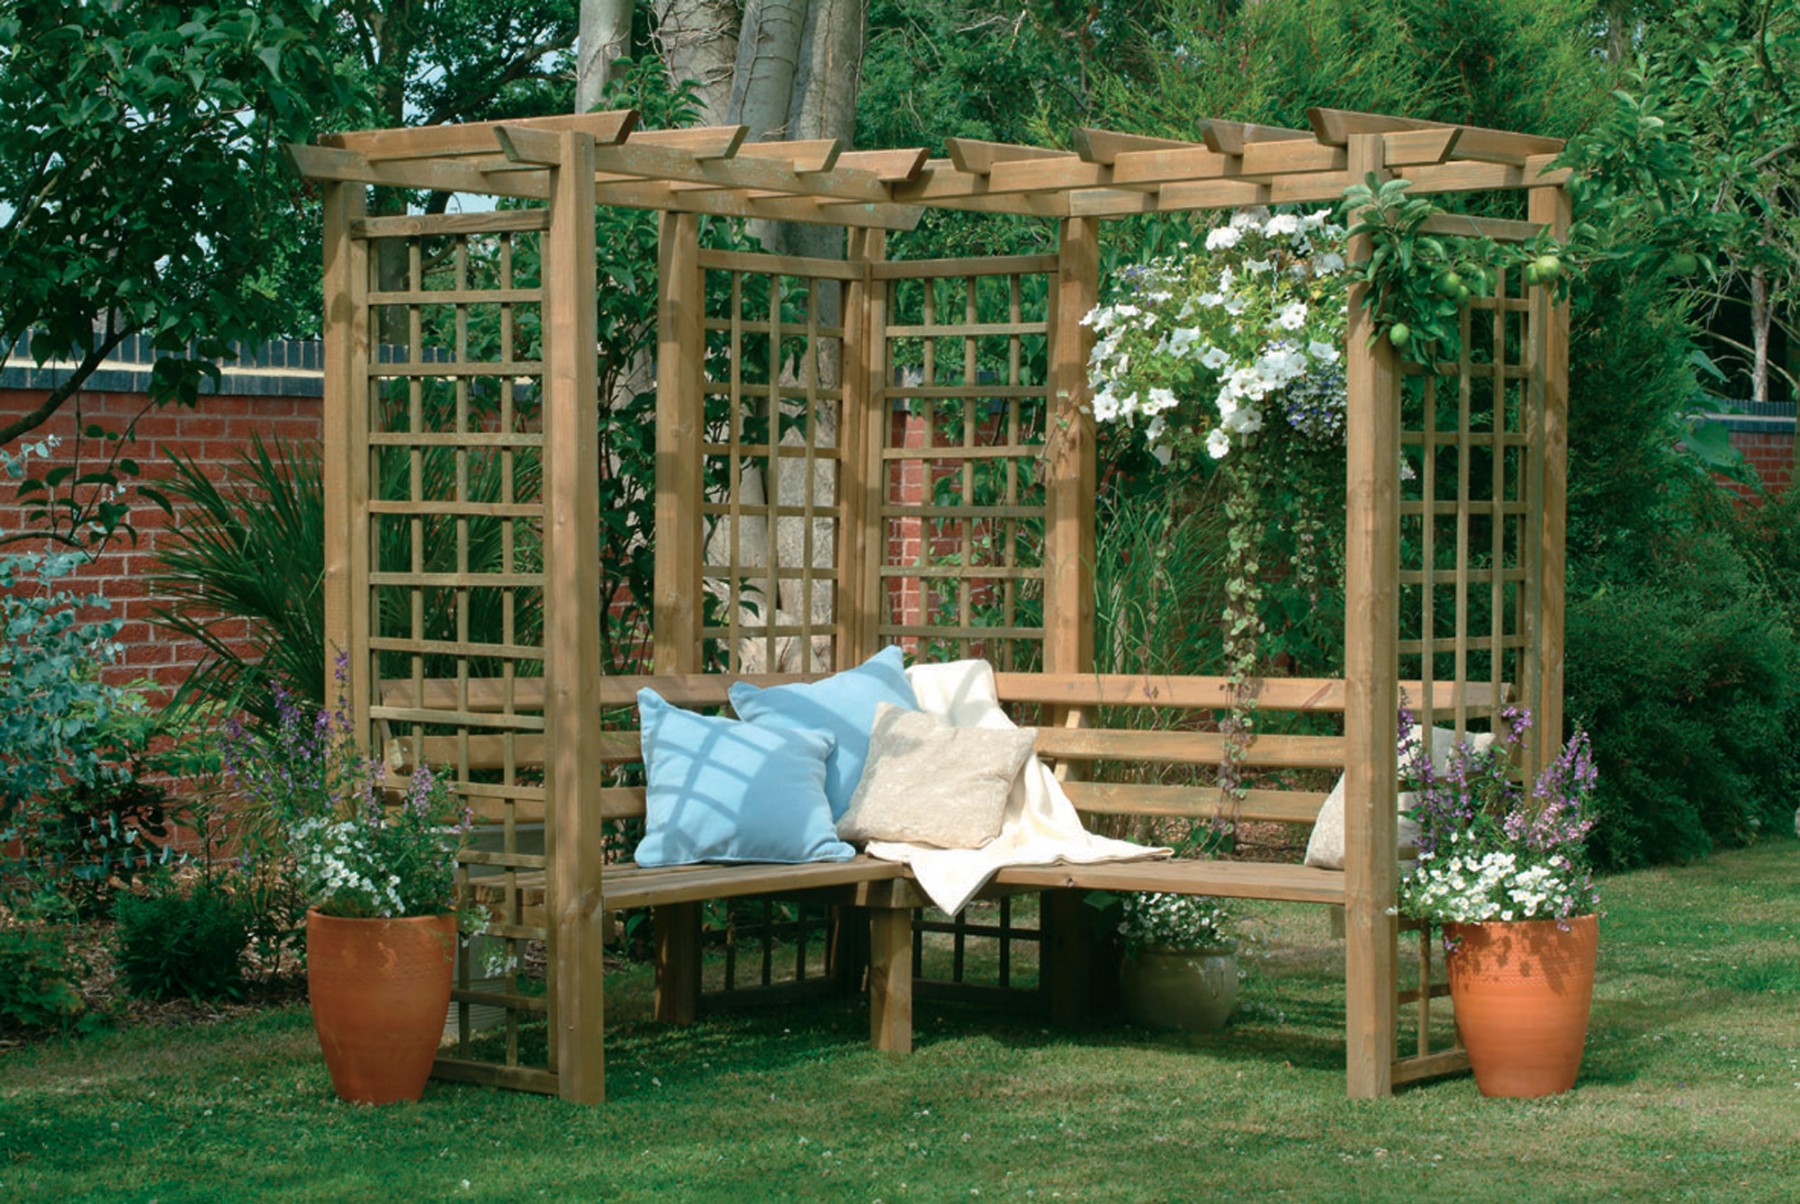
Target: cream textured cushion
{"x":928,"y":783}
{"x":1325,"y":849}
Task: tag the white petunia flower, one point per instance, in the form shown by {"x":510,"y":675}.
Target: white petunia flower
{"x":1217,"y":443}
{"x":1293,"y":316}
{"x":1224,"y":238}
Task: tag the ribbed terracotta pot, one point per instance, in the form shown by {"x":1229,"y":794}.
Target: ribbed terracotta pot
{"x":1522,"y":991}
{"x":380,"y":991}
{"x":1180,"y":990}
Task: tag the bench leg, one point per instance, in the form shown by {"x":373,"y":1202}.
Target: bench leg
{"x":1069,"y":961}
{"x":677,"y":962}
{"x":890,"y":979}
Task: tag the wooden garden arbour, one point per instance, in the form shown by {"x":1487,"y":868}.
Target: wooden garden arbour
{"x":407,"y":435}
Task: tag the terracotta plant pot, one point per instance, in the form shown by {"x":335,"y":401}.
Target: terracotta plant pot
{"x":1522,"y":991}
{"x":380,"y":991}
{"x":1180,"y":990}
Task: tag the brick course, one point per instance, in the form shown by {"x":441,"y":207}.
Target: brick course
{"x":215,"y":434}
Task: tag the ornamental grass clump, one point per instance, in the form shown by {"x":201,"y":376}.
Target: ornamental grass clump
{"x":1491,"y":849}
{"x":353,"y":855}
{"x":1175,"y":922}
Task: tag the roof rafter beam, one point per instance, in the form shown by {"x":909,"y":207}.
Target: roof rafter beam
{"x":430,"y":175}
{"x":1231,"y":137}
{"x":978,"y":158}
{"x":701,"y":141}
{"x":473,"y":137}
{"x":667,"y":164}
{"x":1335,"y":126}
{"x":1314,"y":188}
{"x":654,"y":194}
{"x":1105,"y":146}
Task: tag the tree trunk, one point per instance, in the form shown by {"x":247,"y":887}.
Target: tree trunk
{"x":605,"y":38}
{"x":824,"y":106}
{"x":699,"y":42}
{"x":768,"y":53}
{"x":1760,"y":314}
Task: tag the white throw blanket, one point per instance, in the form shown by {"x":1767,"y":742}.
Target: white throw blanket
{"x":1040,"y":827}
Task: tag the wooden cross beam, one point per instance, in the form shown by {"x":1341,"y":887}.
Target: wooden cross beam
{"x":1335,"y":126}
{"x":473,"y":137}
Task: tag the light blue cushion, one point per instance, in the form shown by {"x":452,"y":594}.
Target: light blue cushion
{"x":721,"y":790}
{"x":842,"y":704}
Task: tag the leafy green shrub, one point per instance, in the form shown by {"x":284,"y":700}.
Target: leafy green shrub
{"x":56,"y":716}
{"x":36,"y":970}
{"x":1688,"y":681}
{"x":175,"y":942}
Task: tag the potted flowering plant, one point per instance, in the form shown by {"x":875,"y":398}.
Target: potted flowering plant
{"x":1503,"y":870}
{"x":1229,"y":359}
{"x":1180,"y":970}
{"x":379,"y":878}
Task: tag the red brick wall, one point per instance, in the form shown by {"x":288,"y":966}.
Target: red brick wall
{"x":215,"y":434}
{"x":1771,"y":453}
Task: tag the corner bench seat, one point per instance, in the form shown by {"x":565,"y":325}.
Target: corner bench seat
{"x":1069,"y":706}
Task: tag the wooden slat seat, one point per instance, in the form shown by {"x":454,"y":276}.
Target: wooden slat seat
{"x":1227,"y":879}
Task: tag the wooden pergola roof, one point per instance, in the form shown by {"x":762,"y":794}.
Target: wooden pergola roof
{"x":714,"y":170}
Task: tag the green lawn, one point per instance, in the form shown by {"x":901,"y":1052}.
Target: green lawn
{"x":1691,"y":1088}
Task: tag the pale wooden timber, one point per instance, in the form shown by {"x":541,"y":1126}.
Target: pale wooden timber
{"x":345,"y":455}
{"x":1233,"y":137}
{"x":1302,"y":694}
{"x":677,"y":962}
{"x":1105,"y":146}
{"x":412,"y":225}
{"x":437,"y":175}
{"x":1430,"y":1066}
{"x":1371,"y":630}
{"x":890,"y":979}
{"x":1193,"y":802}
{"x":1069,"y":452}
{"x":1228,"y":879}
{"x":628,"y":193}
{"x":1550,"y":206}
{"x":679,"y":424}
{"x":978,"y":158}
{"x":702,"y":142}
{"x":474,"y":137}
{"x":889,"y":165}
{"x":1337,"y":126}
{"x":571,"y":638}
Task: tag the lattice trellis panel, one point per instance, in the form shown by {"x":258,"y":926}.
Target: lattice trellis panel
{"x":1471,"y":509}
{"x":1470,"y":505}
{"x":771,"y":460}
{"x":455,"y":582}
{"x":963,"y":497}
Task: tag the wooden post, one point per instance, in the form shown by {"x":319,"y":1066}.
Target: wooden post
{"x":1551,"y":206}
{"x":345,"y":466}
{"x":680,"y":422}
{"x":890,"y":978}
{"x":677,"y":962}
{"x":861,"y":480}
{"x":1069,"y":539}
{"x":573,"y":770}
{"x":1069,"y":956}
{"x":1371,"y":666}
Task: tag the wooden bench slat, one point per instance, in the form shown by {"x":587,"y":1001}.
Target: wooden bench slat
{"x":1188,"y":748}
{"x":1228,"y":879}
{"x":1300,"y":694}
{"x":1192,"y":802}
{"x":627,"y":886}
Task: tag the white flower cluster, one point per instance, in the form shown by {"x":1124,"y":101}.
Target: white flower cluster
{"x":341,"y":869}
{"x":1471,"y":887}
{"x":1259,"y":314}
{"x":1165,"y":921}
